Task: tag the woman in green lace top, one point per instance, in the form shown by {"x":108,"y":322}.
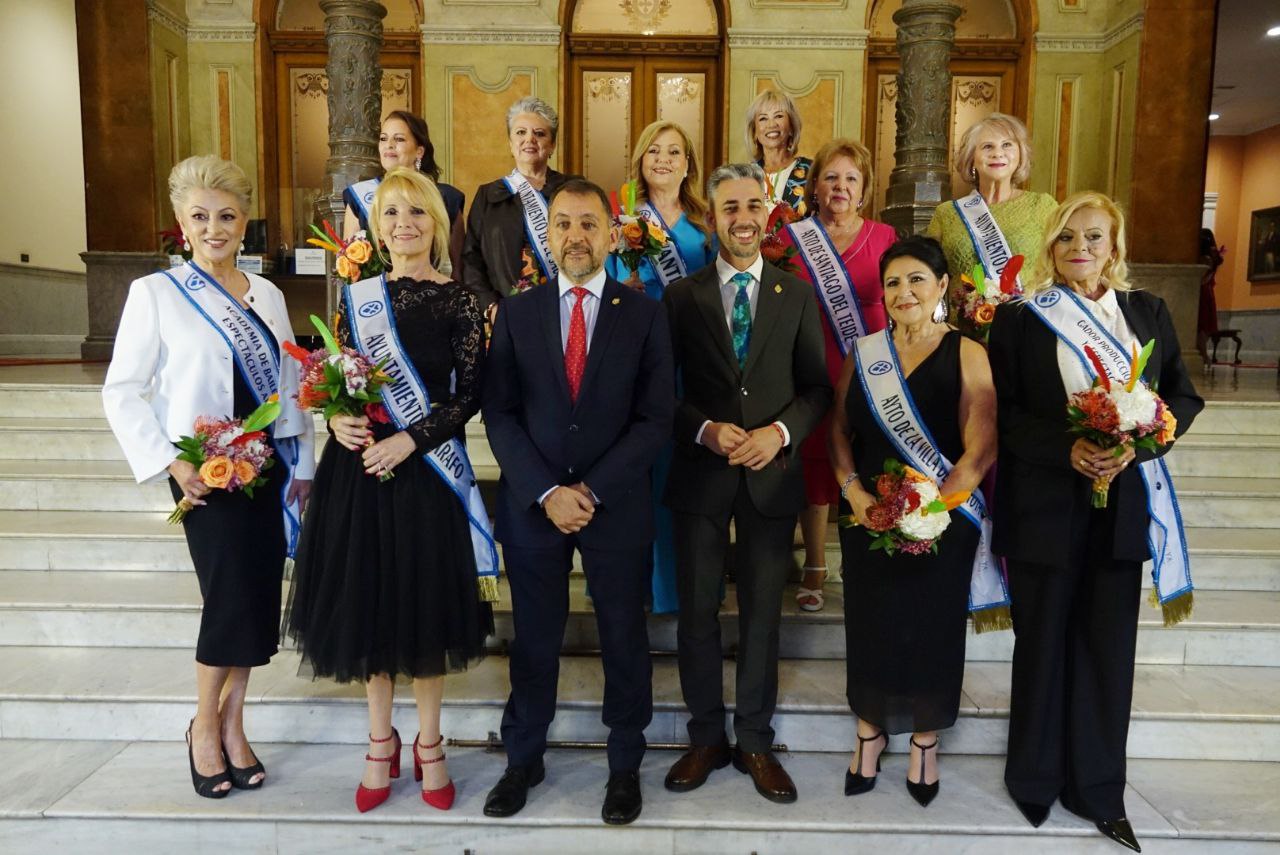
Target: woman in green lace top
{"x":994,"y":154}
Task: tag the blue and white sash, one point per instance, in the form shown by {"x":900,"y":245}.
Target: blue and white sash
{"x":1075,"y":326}
{"x":255,"y":358}
{"x":831,"y":281}
{"x":362,"y":194}
{"x":535,"y":221}
{"x":885,"y":386}
{"x":373,"y":328}
{"x":988,"y":241}
{"x":669,"y":265}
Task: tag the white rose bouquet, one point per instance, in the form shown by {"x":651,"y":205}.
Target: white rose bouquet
{"x":910,"y":513}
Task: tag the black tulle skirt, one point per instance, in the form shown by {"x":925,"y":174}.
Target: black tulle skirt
{"x":385,"y":578}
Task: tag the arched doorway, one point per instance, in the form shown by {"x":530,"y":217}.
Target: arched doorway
{"x":632,"y":62}
{"x":294,"y":108}
{"x":990,"y":72}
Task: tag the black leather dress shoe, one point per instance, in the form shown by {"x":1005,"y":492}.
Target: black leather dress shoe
{"x":1121,"y":832}
{"x":1035,"y":814}
{"x":622,"y":800}
{"x":508,"y":796}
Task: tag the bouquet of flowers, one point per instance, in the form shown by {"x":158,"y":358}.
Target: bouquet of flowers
{"x":356,"y":259}
{"x":531,"y":274}
{"x":340,"y":381}
{"x":231,"y":454}
{"x":775,"y":250}
{"x":910,"y":513}
{"x":639,"y":238}
{"x":1120,"y":416}
{"x":977,"y":298}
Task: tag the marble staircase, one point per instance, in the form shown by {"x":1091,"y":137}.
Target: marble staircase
{"x":99,"y":610}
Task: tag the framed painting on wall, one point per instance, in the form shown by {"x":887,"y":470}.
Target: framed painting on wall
{"x":1264,"y":245}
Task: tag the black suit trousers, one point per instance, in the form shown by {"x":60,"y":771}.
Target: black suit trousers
{"x":762,"y":559}
{"x":539,"y":580}
{"x":1076,"y":630}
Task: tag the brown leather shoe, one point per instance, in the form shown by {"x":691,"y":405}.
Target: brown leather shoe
{"x":771,"y":780}
{"x":693,"y":767}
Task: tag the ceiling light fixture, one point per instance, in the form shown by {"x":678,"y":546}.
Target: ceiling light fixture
{"x":1213,"y":117}
{"x":1273,"y":32}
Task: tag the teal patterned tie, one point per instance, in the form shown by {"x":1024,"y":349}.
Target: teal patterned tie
{"x":741,"y":325}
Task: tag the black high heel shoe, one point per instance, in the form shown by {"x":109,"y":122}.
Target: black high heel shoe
{"x":1121,"y":832}
{"x":855,"y":783}
{"x":242,"y":779}
{"x":920,"y":791}
{"x":205,"y":785}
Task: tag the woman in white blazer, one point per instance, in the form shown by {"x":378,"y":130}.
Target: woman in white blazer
{"x":204,"y":339}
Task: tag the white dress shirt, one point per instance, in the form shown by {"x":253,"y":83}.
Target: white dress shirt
{"x":1106,"y":310}
{"x":590,"y":306}
{"x":728,"y":296}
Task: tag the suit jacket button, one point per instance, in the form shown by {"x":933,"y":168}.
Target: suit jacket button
{"x":573,"y":428}
{"x":572,"y":470}
{"x":250,"y":298}
{"x":744,"y":391}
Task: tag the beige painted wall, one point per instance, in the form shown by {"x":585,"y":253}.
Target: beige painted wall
{"x":40,"y":136}
{"x":1245,"y":173}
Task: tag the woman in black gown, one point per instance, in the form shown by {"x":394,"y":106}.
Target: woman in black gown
{"x":385,"y":582}
{"x":905,"y":615}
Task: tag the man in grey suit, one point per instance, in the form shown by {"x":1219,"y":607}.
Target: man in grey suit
{"x":750,"y":361}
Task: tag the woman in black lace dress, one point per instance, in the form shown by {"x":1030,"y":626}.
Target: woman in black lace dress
{"x":385,"y":582}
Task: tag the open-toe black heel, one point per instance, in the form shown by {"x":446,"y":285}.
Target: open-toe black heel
{"x":922,"y":792}
{"x":855,"y":783}
{"x":206,"y":785}
{"x":242,"y":779}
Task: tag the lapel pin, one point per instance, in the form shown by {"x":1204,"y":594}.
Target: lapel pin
{"x":777,"y":289}
{"x":617,"y":300}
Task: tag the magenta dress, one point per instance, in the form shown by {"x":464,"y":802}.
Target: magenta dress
{"x":862,"y":260}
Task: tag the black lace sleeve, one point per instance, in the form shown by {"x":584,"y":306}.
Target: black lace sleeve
{"x":341,"y":329}
{"x":466,"y":337}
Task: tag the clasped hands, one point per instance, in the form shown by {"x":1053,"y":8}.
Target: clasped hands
{"x":570,"y":508}
{"x":353,"y":434}
{"x":753,"y":449}
{"x":1093,"y":461}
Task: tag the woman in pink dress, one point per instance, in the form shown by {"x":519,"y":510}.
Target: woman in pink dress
{"x":838,"y":252}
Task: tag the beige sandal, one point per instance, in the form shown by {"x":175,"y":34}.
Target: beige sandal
{"x":811,"y":599}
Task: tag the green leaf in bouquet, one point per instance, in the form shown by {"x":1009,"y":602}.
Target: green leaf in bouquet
{"x":329,"y":343}
{"x":894,"y":467}
{"x":1143,"y":356}
{"x":979,"y":277}
{"x":266,"y":413}
{"x":937,"y":506}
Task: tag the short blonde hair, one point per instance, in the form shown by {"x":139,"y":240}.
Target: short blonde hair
{"x":1115,"y":272}
{"x":1008,"y":125}
{"x":695,"y":207}
{"x":209,"y":172}
{"x":855,"y":151}
{"x":767,"y":98}
{"x":418,"y":190}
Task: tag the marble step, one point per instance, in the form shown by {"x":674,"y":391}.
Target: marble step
{"x":69,"y":795}
{"x":1225,"y":455}
{"x":1193,"y":712}
{"x":1222,"y":558}
{"x":134,"y":609}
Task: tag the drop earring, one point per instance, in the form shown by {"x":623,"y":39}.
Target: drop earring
{"x":973,"y":173}
{"x":939,"y":313}
{"x":186,"y":244}
{"x":417,"y":164}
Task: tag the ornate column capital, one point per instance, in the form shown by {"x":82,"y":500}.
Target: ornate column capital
{"x":920,"y":179}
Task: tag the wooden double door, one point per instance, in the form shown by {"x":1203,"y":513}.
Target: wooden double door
{"x":613,"y":96}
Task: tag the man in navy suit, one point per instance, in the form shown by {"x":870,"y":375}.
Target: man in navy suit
{"x":578,"y":401}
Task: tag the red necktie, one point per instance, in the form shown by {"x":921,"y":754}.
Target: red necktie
{"x":575,"y":349}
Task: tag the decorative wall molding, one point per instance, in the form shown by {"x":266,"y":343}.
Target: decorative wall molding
{"x":548,"y":36}
{"x":798,"y":4}
{"x":222,"y":32}
{"x":1087,"y":42}
{"x":160,"y":15}
{"x":470,"y":72}
{"x":839,"y":40}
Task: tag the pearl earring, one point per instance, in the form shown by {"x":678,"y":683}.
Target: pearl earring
{"x":186,"y":244}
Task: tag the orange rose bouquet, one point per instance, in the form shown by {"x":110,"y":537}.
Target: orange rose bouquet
{"x":778,"y":252}
{"x":354,"y":259}
{"x":639,"y":237}
{"x":231,"y":454}
{"x":977,"y":298}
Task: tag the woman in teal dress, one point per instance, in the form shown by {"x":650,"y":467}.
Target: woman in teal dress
{"x":668,"y":192}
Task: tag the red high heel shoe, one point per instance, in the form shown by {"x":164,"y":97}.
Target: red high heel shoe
{"x":441,"y":799}
{"x":368,"y":798}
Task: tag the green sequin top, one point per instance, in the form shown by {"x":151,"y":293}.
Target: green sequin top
{"x":1022,"y":221}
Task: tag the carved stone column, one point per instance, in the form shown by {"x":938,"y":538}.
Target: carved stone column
{"x":353,"y":35}
{"x":921,"y":180}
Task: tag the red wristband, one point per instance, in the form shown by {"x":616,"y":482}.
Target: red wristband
{"x":782,"y":437}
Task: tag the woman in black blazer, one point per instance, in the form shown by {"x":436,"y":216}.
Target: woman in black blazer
{"x":1074,"y":571}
